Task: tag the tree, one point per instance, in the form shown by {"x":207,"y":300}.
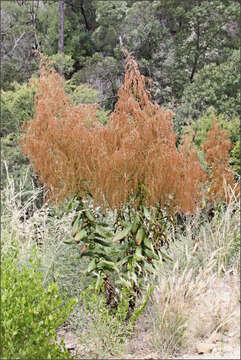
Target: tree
{"x":61,"y":27}
{"x":216,"y":86}
{"x":18,"y":39}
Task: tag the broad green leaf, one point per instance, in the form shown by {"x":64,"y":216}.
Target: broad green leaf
{"x":102,"y":242}
{"x":140,"y":236}
{"x":70,"y":242}
{"x":101,"y":254}
{"x":124,"y":260}
{"x":122,"y":234}
{"x":135,"y":225}
{"x":108,"y":265}
{"x":89,"y":253}
{"x":148,"y":267}
{"x":148,"y":243}
{"x":91,"y":266}
{"x":139,"y":253}
{"x":151,"y":254}
{"x":102,"y":232}
{"x":124,"y":282}
{"x":80,"y":235}
{"x":89,"y":215}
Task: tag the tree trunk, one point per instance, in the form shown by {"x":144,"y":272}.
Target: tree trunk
{"x":61,"y":27}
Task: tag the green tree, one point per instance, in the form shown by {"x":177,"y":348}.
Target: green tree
{"x":18,"y":38}
{"x":214,"y":85}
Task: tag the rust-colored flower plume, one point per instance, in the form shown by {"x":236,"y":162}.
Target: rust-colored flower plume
{"x":74,"y":154}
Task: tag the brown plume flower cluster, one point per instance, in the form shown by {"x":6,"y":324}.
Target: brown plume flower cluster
{"x":76,"y":155}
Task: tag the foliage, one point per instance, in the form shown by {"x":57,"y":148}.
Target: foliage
{"x":80,"y":94}
{"x":235,"y":157}
{"x":18,"y":37}
{"x":17,"y":107}
{"x":204,"y":124}
{"x":62,"y":63}
{"x":121,"y":249}
{"x":30,"y":314}
{"x":79,"y":23}
{"x":102,"y":73}
{"x":108,"y":326}
{"x":214,"y":85}
{"x":172,"y":40}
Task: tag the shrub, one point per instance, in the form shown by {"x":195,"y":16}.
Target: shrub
{"x":17,"y":107}
{"x":204,"y":124}
{"x":63,"y":63}
{"x":107,"y":329}
{"x":30,"y":314}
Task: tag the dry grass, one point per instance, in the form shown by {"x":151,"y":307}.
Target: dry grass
{"x":198,"y":295}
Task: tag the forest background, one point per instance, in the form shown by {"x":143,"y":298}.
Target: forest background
{"x":190,"y":50}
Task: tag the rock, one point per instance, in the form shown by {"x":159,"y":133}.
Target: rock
{"x":204,"y":347}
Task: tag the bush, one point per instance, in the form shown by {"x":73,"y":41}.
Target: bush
{"x":17,"y":106}
{"x":63,"y":63}
{"x":203,"y":125}
{"x":108,"y":329}
{"x":30,"y":314}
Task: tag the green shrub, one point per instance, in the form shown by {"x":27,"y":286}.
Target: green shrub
{"x":108,"y":328}
{"x":203,"y":125}
{"x":81,"y":93}
{"x":30,"y":314}
{"x":17,"y":106}
{"x":63,"y":63}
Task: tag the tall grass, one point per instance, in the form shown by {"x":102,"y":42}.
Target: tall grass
{"x":197,"y":295}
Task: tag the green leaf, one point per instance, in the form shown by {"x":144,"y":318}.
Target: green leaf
{"x":148,"y":267}
{"x":147,"y":214}
{"x":80,"y":235}
{"x":151,"y":254}
{"x":102,"y":232}
{"x":108,"y":265}
{"x":70,"y":242}
{"x":101,"y":254}
{"x":89,"y":253}
{"x":122,"y":234}
{"x":139,"y":253}
{"x":124,"y":282}
{"x":102,"y":242}
{"x":89,"y":215}
{"x":91,"y":266}
{"x":124,"y":260}
{"x":135,"y":225}
{"x":148,"y":243}
{"x":140,"y":236}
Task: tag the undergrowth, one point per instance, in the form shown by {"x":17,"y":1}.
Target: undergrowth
{"x":204,"y":253}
